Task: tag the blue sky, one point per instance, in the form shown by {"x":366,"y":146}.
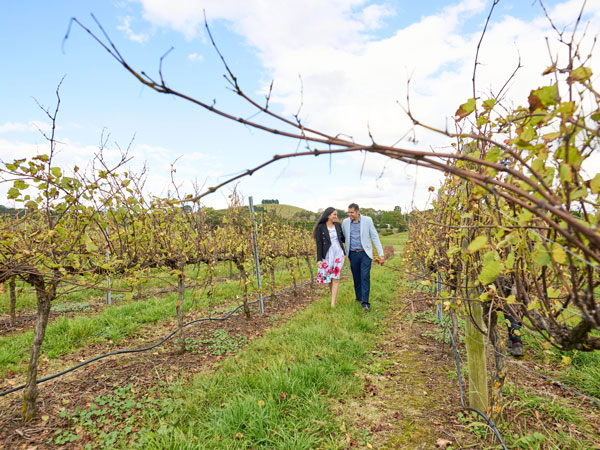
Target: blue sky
{"x":354,"y":57}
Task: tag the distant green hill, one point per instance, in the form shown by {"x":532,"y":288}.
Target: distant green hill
{"x":287,"y":211}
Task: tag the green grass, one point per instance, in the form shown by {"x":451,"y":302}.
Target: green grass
{"x":275,"y":394}
{"x":554,"y":428}
{"x":578,"y":369}
{"x":285,"y":211}
{"x":583,"y":371}
{"x":117,"y":322}
{"x":151,"y":279}
{"x":397,"y":240}
{"x":26,"y":300}
{"x":277,"y":391}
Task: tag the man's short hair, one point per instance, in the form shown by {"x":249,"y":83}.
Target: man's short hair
{"x":354,"y":206}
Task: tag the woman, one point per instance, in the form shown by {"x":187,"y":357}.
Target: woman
{"x":330,"y":252}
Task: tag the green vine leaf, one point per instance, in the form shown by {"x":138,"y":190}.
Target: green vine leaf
{"x":543,"y":97}
{"x":491,"y":268}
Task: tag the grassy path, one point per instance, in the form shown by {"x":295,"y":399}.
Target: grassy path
{"x":331,"y":378}
{"x":328,"y":378}
{"x":278,"y":392}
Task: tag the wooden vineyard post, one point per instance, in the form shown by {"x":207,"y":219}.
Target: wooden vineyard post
{"x":180,"y":298}
{"x":12,"y":287}
{"x":474,"y":343}
{"x":308,"y":263}
{"x":476,"y":361}
{"x":256,"y":261}
{"x":108,"y":281}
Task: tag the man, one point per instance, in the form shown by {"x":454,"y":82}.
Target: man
{"x":359,"y":231}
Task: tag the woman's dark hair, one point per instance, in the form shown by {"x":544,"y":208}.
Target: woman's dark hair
{"x":323,"y":219}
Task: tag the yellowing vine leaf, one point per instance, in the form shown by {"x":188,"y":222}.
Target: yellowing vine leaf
{"x":477,"y":244}
{"x":465,"y":109}
{"x":558,"y":254}
{"x":595,"y":184}
{"x":580,"y":74}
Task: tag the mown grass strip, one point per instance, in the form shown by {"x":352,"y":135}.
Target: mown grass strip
{"x":153,"y":279}
{"x":276,"y":393}
{"x":114,"y":323}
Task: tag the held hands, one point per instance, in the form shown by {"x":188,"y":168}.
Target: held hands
{"x":319,"y":264}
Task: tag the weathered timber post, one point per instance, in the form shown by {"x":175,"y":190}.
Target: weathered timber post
{"x":474,"y":338}
{"x":180,"y":298}
{"x":272,"y":270}
{"x":108,"y":280}
{"x":476,"y":361}
{"x":310,"y":268}
{"x":240,"y":266}
{"x":13,"y":301}
{"x":256,"y":261}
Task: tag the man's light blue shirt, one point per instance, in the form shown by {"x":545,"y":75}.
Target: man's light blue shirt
{"x":367,"y":233}
{"x":355,"y":243}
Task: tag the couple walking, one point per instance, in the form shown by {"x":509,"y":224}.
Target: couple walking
{"x":356,"y":232}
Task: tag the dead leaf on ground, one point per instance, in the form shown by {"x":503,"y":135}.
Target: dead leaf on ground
{"x":442,"y":443}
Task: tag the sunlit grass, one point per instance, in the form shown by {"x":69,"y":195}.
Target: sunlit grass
{"x":275,"y":393}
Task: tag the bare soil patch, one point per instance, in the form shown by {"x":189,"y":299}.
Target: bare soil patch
{"x":144,"y":370}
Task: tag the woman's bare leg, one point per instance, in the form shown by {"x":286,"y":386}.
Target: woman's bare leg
{"x":334,"y":290}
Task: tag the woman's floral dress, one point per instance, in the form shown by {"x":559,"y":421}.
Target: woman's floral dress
{"x":331,"y":266}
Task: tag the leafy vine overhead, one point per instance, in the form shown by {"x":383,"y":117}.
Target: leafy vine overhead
{"x":526,"y":210}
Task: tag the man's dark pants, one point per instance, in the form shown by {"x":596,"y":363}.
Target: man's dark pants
{"x":360,"y":264}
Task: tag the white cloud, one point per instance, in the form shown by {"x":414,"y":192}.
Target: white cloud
{"x":125,"y":26}
{"x":301,"y":187}
{"x":295,"y":172}
{"x":44,"y":127}
{"x":156,"y":161}
{"x":33,"y":125}
{"x":352,"y":81}
{"x":195,"y":57}
{"x":296,"y":24}
{"x":566,"y":13}
{"x":11,"y":150}
{"x":373,"y":15}
{"x":13,"y":126}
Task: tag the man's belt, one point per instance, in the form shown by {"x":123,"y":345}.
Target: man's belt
{"x":360,"y":250}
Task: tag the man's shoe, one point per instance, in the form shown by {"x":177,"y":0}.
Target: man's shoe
{"x":366,"y":308}
{"x":515,"y":348}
